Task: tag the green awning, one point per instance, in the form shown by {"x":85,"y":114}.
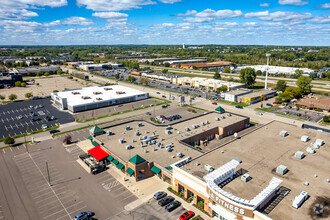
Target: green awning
{"x":110,"y":158}
{"x":137,"y":160}
{"x":155,"y":169}
{"x":115,"y":162}
{"x":120,"y":166}
{"x":95,"y":144}
{"x":169,"y":168}
{"x":90,"y":137}
{"x":130,"y":171}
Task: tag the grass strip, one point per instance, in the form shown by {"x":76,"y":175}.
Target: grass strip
{"x":267,"y":109}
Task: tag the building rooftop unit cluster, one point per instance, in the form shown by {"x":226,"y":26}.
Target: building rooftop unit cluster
{"x":277,"y":69}
{"x":26,"y":70}
{"x":205,"y":65}
{"x":98,"y":66}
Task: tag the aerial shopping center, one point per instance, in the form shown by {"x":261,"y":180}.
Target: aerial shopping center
{"x":219,"y":162}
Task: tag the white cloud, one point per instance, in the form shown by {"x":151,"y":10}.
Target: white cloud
{"x":293,"y":2}
{"x":325,"y":6}
{"x":209,"y":15}
{"x":264,"y":4}
{"x":162,"y":26}
{"x":321,"y":19}
{"x":170,"y":1}
{"x":70,"y":21}
{"x":110,"y":15}
{"x":279,"y":15}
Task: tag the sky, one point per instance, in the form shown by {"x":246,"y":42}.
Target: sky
{"x":165,"y":22}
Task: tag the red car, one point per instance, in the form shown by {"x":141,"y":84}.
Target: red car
{"x":214,"y":103}
{"x":275,"y":103}
{"x":187,"y":215}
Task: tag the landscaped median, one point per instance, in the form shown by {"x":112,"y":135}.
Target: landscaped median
{"x":232,"y":103}
{"x":267,"y":109}
{"x":126,"y":111}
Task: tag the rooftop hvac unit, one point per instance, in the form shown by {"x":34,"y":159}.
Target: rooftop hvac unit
{"x":128,"y":147}
{"x":207,"y":122}
{"x":299,"y":155}
{"x":140,"y":124}
{"x":304,"y":138}
{"x":168,"y":132}
{"x":169,"y":145}
{"x":187,"y":129}
{"x":144,"y":137}
{"x":310,"y":150}
{"x":298,"y":200}
{"x":283,"y":133}
{"x":108,"y":133}
{"x":128,"y":128}
{"x":137,"y":133}
{"x":168,"y":149}
{"x":319,"y":142}
{"x":197,"y":163}
{"x":179,"y":155}
{"x":168,"y":127}
{"x":107,"y":89}
{"x":229,"y":114}
{"x":121,"y":141}
{"x":281,"y":169}
{"x":246,"y":177}
{"x":222,"y":117}
{"x":217,"y":119}
{"x":208,"y":168}
{"x":202,"y":123}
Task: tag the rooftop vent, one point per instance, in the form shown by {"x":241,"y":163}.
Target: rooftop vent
{"x":228,"y":114}
{"x":120,"y":93}
{"x":85,"y":97}
{"x":281,"y":169}
{"x":299,"y":155}
{"x":246,"y":177}
{"x":197,"y":163}
{"x":304,"y":138}
{"x":97,"y":93}
{"x":217,"y":119}
{"x":99,"y":99}
{"x":179,"y":155}
{"x":128,"y":147}
{"x":106,"y":89}
{"x":187,"y":129}
{"x":310,"y":150}
{"x":283,"y":133}
{"x":121,"y":141}
{"x":208,"y":168}
{"x":319,"y":142}
{"x":75,"y":93}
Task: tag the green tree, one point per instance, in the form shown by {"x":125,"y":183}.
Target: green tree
{"x":18,"y":84}
{"x":164,"y":70}
{"x":29,"y":74}
{"x":281,"y":85}
{"x":2,"y":97}
{"x":304,"y":84}
{"x":226,"y":70}
{"x":12,"y":97}
{"x":28,"y":95}
{"x":46,"y":74}
{"x":259,"y":73}
{"x":328,"y":75}
{"x":217,"y":75}
{"x":117,"y":76}
{"x":39,"y":73}
{"x":194,"y":67}
{"x":248,"y":76}
{"x":131,"y":79}
{"x":9,"y":140}
{"x":223,"y":88}
{"x":59,"y":72}
{"x":167,"y":64}
{"x":23,"y":84}
{"x":288,"y":94}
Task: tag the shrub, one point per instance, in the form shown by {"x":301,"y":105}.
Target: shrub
{"x":67,"y":139}
{"x":318,"y":110}
{"x":326,"y":118}
{"x":9,"y":140}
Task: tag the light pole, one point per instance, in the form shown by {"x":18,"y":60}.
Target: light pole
{"x":48,"y":172}
{"x":267,"y":55}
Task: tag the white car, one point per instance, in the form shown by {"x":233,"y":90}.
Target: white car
{"x":44,"y":126}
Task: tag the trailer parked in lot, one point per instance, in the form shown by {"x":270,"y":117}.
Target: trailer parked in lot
{"x":299,"y":200}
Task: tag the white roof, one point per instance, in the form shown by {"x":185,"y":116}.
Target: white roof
{"x":105,"y":95}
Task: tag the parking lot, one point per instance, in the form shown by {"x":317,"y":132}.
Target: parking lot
{"x":16,"y":117}
{"x":150,"y":211}
{"x":26,"y":194}
{"x":113,"y":109}
{"x":307,"y":114}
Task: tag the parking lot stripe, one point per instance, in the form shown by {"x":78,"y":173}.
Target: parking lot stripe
{"x":42,"y":195}
{"x":127,"y":197}
{"x":55,"y":214}
{"x":3,"y":150}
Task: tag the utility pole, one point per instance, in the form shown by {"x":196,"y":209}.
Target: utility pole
{"x":48,"y":172}
{"x":267,"y":55}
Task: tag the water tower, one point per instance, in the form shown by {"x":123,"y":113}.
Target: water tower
{"x":267,"y":55}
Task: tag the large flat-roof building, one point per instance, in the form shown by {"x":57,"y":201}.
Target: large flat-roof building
{"x":231,"y":177}
{"x":254,"y":97}
{"x":77,"y":100}
{"x":277,"y":69}
{"x":205,"y":65}
{"x":33,"y":70}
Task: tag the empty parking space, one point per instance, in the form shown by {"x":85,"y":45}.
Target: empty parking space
{"x":17,"y":117}
{"x":55,"y":201}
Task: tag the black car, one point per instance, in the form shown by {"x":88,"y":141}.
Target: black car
{"x":173,"y":205}
{"x":148,"y":113}
{"x":166,"y":200}
{"x":160,"y":195}
{"x":33,"y":114}
{"x":48,"y":118}
{"x":268,"y":104}
{"x":53,"y":131}
{"x":238,"y":106}
{"x":164,"y":106}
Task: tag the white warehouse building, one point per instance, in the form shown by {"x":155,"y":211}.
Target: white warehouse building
{"x":277,"y":69}
{"x":83,"y":99}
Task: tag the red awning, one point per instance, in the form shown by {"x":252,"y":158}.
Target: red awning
{"x":98,"y":153}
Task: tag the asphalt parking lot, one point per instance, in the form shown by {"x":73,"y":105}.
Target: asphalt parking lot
{"x":116,"y":108}
{"x":26,"y":194}
{"x":308,"y":114}
{"x":10,"y":122}
{"x":150,"y":211}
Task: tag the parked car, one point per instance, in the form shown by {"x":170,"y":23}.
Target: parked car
{"x":41,"y":106}
{"x":275,"y":103}
{"x":160,"y":195}
{"x":173,"y":205}
{"x":158,"y":92}
{"x":44,"y":126}
{"x":238,"y":106}
{"x":52,"y":118}
{"x":53,"y":131}
{"x":164,"y":106}
{"x":20,"y":117}
{"x":268,"y":104}
{"x":164,"y":96}
{"x":259,"y":113}
{"x":214,"y":103}
{"x":33,"y":114}
{"x":84,"y":215}
{"x":148,"y":113}
{"x":47,"y":118}
{"x":166,"y":200}
{"x":187,"y":215}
